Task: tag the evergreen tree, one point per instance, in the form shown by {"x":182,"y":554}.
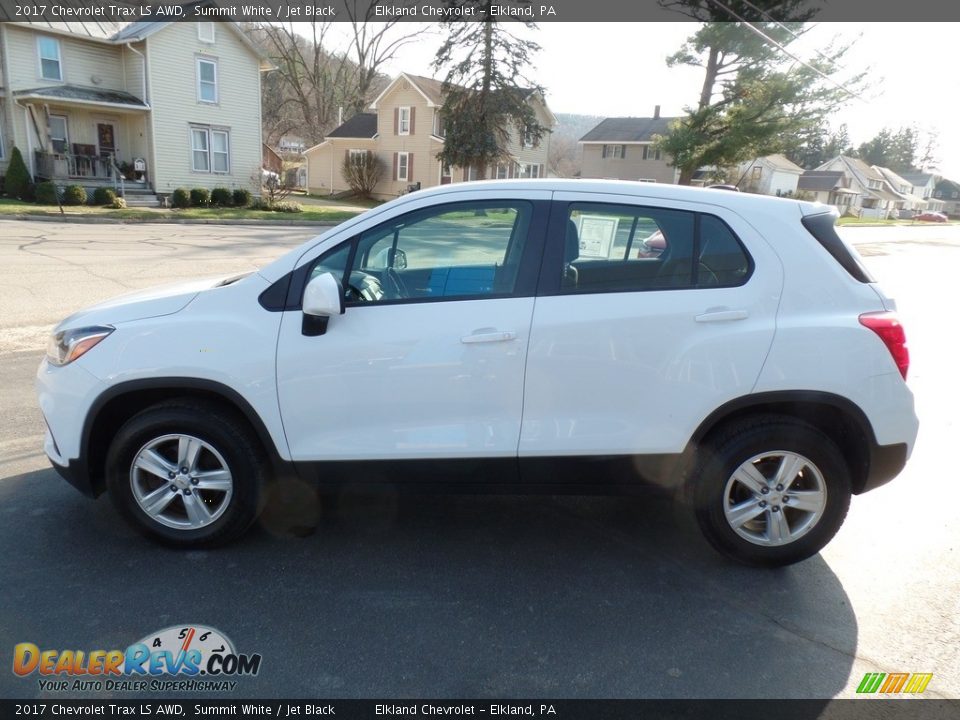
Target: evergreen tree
{"x":486,"y":89}
{"x":754,"y":100}
{"x":18,"y":180}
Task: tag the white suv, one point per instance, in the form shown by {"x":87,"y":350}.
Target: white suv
{"x":518,"y":336}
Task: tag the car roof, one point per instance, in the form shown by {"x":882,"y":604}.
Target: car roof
{"x":655,"y":191}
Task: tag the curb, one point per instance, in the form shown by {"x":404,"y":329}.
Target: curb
{"x":171,"y":221}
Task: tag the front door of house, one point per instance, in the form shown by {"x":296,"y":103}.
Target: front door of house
{"x":106,"y":139}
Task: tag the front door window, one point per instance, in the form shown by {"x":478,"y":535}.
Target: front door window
{"x":106,"y":139}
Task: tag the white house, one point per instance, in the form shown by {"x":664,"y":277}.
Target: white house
{"x":167,"y":104}
{"x":770,"y":175}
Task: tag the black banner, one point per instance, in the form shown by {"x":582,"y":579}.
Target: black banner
{"x":437,"y":10}
{"x":854,"y":709}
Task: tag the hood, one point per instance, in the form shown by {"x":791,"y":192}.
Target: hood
{"x":152,"y":302}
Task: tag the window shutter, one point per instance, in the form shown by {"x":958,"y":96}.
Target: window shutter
{"x":466,"y":175}
{"x":410,"y":155}
{"x":396,"y":130}
{"x":623,"y":152}
{"x":510,"y":170}
{"x":413,"y":115}
{"x":395,"y":162}
{"x":346,"y":154}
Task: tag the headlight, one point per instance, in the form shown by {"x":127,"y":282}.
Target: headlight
{"x":67,"y":345}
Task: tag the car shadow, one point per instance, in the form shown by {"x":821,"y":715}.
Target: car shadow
{"x":434,"y":596}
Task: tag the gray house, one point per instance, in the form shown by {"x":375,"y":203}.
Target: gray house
{"x":622,"y":149}
{"x":830,"y":187}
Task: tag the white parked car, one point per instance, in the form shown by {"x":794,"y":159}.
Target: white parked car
{"x":504,"y":336}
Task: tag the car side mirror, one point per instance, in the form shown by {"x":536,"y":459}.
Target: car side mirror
{"x":322,"y":298}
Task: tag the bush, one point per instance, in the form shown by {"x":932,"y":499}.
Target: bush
{"x":199,"y":197}
{"x":180,"y":198}
{"x":221,"y":197}
{"x":18,"y":181}
{"x":242,"y":197}
{"x":104,"y":196}
{"x":287,"y":207}
{"x":47,"y":193}
{"x":362,"y":172}
{"x":74,"y":195}
{"x":29,"y":193}
{"x":118,"y":203}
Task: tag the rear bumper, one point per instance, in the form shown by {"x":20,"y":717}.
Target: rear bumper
{"x":886,"y":462}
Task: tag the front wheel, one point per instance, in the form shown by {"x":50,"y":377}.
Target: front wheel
{"x":186,"y":473}
{"x":770,"y":491}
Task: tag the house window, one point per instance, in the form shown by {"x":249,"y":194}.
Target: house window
{"x":357,"y":155}
{"x":503,"y":171}
{"x":48,"y":49}
{"x":650,"y":153}
{"x":210,"y":150}
{"x":528,"y":138}
{"x":403,"y":166}
{"x":472,"y":173}
{"x":404,"y":121}
{"x":207,"y":81}
{"x":529,"y":170}
{"x":756,"y":172}
{"x":221,"y":151}
{"x":438,"y":128}
{"x":206,"y":32}
{"x":200,"y":141}
{"x":614,"y":151}
{"x":58,"y":133}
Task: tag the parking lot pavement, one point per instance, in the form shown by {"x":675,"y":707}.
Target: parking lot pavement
{"x":479,"y":596}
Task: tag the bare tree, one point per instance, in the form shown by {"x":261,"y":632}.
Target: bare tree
{"x":372,"y":45}
{"x":309,"y":84}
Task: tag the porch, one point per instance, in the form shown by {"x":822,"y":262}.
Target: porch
{"x":89,"y":169}
{"x":91,"y":137}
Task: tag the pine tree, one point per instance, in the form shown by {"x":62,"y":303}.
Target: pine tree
{"x":483,"y":98}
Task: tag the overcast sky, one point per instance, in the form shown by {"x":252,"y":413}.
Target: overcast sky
{"x":613,"y":69}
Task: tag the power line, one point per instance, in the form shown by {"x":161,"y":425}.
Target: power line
{"x":786,"y":52}
{"x":779,"y":24}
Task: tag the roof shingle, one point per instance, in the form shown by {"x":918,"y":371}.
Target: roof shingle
{"x":629,"y":129}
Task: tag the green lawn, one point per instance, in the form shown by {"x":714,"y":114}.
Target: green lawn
{"x":16,"y":207}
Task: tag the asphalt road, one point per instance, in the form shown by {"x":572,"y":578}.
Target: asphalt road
{"x":477,"y":596}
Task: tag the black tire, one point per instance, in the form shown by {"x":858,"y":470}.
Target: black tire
{"x":221,"y":429}
{"x":734,"y":444}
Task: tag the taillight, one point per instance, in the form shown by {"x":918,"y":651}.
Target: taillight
{"x":888,"y":328}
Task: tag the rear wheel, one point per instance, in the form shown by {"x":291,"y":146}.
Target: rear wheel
{"x":187,"y":473}
{"x":770,"y":491}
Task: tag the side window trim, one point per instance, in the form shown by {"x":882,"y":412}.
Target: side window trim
{"x":528,"y":273}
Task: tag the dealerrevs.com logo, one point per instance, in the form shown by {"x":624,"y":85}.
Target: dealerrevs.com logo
{"x":178,"y":658}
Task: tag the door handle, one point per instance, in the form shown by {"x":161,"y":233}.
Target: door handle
{"x":721,"y":316}
{"x":489,"y":336}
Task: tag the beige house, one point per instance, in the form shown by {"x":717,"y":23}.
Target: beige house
{"x":405,"y":132}
{"x":166,"y":104}
{"x":623,"y":149}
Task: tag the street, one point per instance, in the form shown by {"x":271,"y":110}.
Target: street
{"x":453,"y":596}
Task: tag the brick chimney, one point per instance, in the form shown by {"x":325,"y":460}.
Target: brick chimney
{"x":656,"y":111}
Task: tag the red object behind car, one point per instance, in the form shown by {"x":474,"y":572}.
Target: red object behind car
{"x":930,"y":216}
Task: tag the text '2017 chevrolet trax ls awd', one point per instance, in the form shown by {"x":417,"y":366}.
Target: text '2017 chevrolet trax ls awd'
{"x":521,"y":336}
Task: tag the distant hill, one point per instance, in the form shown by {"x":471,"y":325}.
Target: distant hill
{"x":565,"y":155}
{"x":575,"y":126}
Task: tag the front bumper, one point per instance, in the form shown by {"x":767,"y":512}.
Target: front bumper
{"x":65,"y":395}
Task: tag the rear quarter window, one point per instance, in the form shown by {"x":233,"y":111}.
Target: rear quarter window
{"x":822,"y":227}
